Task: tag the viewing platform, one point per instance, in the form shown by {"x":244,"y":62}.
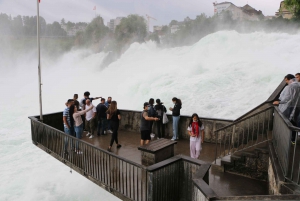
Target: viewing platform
{"x":224,"y":184}
{"x":250,"y":158}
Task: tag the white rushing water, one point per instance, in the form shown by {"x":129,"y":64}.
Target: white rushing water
{"x":224,"y":75}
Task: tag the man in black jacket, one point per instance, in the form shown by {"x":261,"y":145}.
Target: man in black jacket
{"x":101,"y":114}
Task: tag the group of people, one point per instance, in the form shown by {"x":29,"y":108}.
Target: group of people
{"x":289,"y":101}
{"x":83,"y":115}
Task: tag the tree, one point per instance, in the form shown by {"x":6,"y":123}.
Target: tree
{"x":55,"y":29}
{"x":63,"y":21}
{"x":94,"y":32}
{"x":131,"y":29}
{"x":294,"y":7}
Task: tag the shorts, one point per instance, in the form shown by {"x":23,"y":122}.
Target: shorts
{"x":145,"y":135}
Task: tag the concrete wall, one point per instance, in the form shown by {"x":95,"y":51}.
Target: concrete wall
{"x":273,"y":187}
{"x":131,"y":122}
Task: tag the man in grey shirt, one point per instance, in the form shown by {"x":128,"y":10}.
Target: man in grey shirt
{"x":145,"y":125}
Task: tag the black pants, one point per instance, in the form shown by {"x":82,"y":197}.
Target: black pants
{"x":114,"y":135}
{"x":151,"y":125}
{"x":160,"y":126}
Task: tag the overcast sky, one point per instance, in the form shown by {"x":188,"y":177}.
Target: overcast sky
{"x":163,"y":10}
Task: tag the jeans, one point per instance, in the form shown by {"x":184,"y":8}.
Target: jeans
{"x":102,"y":125}
{"x":70,"y":132}
{"x":79,"y":131}
{"x":175,"y":127}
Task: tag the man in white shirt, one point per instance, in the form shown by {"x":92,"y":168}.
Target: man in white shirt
{"x":90,"y":119}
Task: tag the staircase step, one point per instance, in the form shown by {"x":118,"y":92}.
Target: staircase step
{"x":226,"y":160}
{"x":235,"y":157}
{"x":249,"y":154}
{"x":264,"y":150}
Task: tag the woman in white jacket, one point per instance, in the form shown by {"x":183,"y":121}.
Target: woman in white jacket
{"x":196,"y":132}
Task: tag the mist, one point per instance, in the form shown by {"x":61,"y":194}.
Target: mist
{"x":224,"y":74}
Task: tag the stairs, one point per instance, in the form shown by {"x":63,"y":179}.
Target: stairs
{"x":252,"y":162}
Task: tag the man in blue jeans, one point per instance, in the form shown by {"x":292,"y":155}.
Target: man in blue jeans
{"x":67,"y":124}
{"x":101,"y":114}
{"x":107,"y":104}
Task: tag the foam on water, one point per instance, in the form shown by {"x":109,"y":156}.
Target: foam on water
{"x":223,"y":75}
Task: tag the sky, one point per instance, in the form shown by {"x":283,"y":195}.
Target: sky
{"x":162,"y":10}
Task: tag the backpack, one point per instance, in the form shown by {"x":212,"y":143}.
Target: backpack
{"x":152,"y":112}
{"x":159,"y":112}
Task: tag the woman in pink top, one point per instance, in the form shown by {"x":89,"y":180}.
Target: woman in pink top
{"x":76,"y":121}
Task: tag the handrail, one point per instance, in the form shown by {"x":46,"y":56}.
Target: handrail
{"x":288,"y":154}
{"x":243,"y":134}
{"x":83,"y":142}
{"x":287,"y":122}
{"x":241,"y":120}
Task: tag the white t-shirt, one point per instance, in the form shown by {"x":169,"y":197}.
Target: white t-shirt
{"x":200,"y":133}
{"x":89,"y":115}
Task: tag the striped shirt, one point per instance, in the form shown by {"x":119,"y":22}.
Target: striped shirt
{"x":66,"y":114}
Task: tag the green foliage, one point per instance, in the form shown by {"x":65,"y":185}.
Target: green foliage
{"x":131,"y":29}
{"x":294,"y":7}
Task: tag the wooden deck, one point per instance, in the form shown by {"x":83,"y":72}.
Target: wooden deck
{"x":131,"y":141}
{"x":224,"y":184}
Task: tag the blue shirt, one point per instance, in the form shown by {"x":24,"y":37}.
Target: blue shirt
{"x":66,"y":114}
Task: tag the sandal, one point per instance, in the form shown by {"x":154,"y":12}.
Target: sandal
{"x":118,"y":146}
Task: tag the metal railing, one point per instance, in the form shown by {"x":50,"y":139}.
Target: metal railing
{"x":244,"y":134}
{"x":123,"y":178}
{"x":288,"y":154}
{"x":107,"y":169}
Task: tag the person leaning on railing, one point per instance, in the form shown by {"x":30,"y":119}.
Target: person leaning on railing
{"x":289,"y":102}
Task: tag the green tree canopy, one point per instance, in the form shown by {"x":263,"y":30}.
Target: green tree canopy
{"x":293,"y":6}
{"x":131,"y":29}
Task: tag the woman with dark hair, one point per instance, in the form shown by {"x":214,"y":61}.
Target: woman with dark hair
{"x":151,"y":113}
{"x":75,"y":117}
{"x":160,"y":110}
{"x":176,"y":116}
{"x":196,"y":132}
{"x":113,"y":114}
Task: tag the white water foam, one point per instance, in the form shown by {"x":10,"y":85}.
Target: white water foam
{"x":224,"y":75}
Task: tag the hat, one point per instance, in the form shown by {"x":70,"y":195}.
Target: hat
{"x":146,"y":104}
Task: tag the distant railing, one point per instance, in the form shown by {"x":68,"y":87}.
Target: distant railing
{"x":288,"y":154}
{"x":245,"y":133}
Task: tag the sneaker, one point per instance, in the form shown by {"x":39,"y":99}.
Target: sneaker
{"x":118,"y":146}
{"x":293,"y":142}
{"x":88,"y":134}
{"x":104,"y":133}
{"x":173,"y":139}
{"x":109,"y":131}
{"x":91,"y":137}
